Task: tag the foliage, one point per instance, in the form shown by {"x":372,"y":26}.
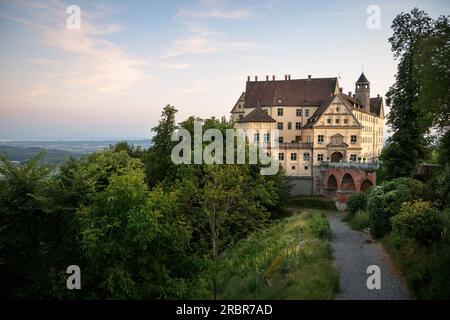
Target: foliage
{"x":35,"y":233}
{"x":385,"y":201}
{"x":418,"y":221}
{"x":158,"y":163}
{"x":443,"y":187}
{"x":360,"y":220}
{"x":425,"y":267}
{"x":431,"y":66}
{"x":313,"y":202}
{"x":223,"y":195}
{"x":132,"y":150}
{"x":356,"y":202}
{"x":286,"y":261}
{"x":132,"y":244}
{"x":406,"y":147}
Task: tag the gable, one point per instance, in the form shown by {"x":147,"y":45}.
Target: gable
{"x":336,"y":110}
{"x":239,"y":105}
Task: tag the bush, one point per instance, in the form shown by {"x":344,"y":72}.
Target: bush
{"x":318,"y":225}
{"x":426,"y":268}
{"x":385,"y":201}
{"x":356,"y":202}
{"x":360,"y":220}
{"x":419,"y":221}
{"x":313,"y":202}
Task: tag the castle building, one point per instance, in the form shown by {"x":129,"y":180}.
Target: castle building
{"x":317,"y":122}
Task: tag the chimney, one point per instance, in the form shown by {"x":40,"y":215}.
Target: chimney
{"x":248,"y":78}
{"x":340,"y":90}
{"x":267,"y":78}
{"x":285,"y":77}
{"x":350,"y":94}
{"x":378,"y":95}
{"x":353,"y":95}
{"x":256,"y":78}
{"x":289,"y":77}
{"x":273,"y":77}
{"x":309,"y":77}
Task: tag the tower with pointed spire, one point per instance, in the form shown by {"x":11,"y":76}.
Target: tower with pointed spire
{"x":362,"y":91}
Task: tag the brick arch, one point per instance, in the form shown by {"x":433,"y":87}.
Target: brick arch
{"x":358,"y":176}
{"x":332,"y":182}
{"x":348,"y":183}
{"x":366,"y":185}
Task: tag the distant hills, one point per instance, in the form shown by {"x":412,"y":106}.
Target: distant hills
{"x":57,"y":151}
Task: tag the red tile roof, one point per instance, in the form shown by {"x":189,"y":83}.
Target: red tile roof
{"x":375,"y":105}
{"x":296,"y":92}
{"x":257,"y":115}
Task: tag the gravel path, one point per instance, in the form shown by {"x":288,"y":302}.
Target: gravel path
{"x":354,"y":252}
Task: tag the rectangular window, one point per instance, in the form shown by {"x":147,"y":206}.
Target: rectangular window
{"x":241,"y":116}
{"x":329,"y":121}
{"x":280,"y":139}
{"x":298,"y":112}
{"x":306,"y":157}
{"x":320,"y":157}
{"x":306,"y":112}
{"x":337,"y":121}
{"x":281,"y":156}
{"x":280,"y":125}
{"x":280,"y":112}
{"x":256,"y":137}
{"x":289,"y":125}
{"x":353,"y":139}
{"x":337,"y":109}
{"x":298,"y":138}
{"x":320,"y":138}
{"x":266,"y":137}
{"x":345,"y":121}
{"x":353,"y":157}
{"x":298,"y":125}
{"x":306,"y":167}
{"x":293,"y":156}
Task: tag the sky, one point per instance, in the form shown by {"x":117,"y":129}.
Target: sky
{"x":111,"y":77}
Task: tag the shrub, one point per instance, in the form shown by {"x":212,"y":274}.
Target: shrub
{"x":419,"y":221}
{"x":360,"y":220}
{"x":356,"y":202}
{"x":385,"y":201}
{"x":425,"y":268}
{"x":313,"y":202}
{"x":318,"y":225}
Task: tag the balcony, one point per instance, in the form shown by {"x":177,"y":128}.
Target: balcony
{"x":367,"y":166}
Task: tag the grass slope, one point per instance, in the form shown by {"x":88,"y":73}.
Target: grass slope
{"x":292,"y":259}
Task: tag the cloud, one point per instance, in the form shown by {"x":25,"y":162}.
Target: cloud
{"x":197,"y":87}
{"x":95,"y":65}
{"x":200,"y":39}
{"x":198,"y":44}
{"x":37,"y":90}
{"x":213,"y":13}
{"x":174,"y":66}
